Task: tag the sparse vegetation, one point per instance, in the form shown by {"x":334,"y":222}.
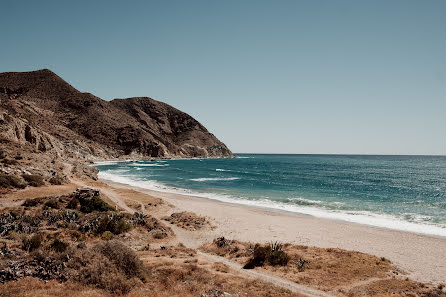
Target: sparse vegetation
{"x":10,"y":161}
{"x":107,"y":235}
{"x":73,"y":204}
{"x":32,"y":243}
{"x":53,"y":203}
{"x":158,"y":235}
{"x":110,"y":266}
{"x":56,"y":180}
{"x":94,"y":204}
{"x":270,"y":254}
{"x":187,"y":220}
{"x":59,"y":246}
{"x":113,"y":224}
{"x":11,"y":181}
{"x":33,"y":180}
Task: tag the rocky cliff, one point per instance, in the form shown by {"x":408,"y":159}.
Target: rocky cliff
{"x":43,"y":115}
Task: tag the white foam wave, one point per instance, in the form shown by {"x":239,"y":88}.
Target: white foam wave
{"x":101,"y":163}
{"x":219,"y":169}
{"x":360,"y":217}
{"x":214,"y":178}
{"x":119,"y":171}
{"x":303,"y":201}
{"x":148,"y":165}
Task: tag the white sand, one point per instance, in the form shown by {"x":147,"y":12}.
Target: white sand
{"x":423,"y":257}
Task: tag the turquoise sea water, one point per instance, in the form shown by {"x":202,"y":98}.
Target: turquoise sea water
{"x":398,"y":192}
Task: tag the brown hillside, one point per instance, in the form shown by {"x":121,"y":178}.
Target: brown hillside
{"x":135,"y":127}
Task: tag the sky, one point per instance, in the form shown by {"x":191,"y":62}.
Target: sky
{"x":338,"y":77}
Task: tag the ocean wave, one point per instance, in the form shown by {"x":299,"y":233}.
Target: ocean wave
{"x":104,"y":163}
{"x":303,"y":201}
{"x":119,"y":170}
{"x":201,"y":179}
{"x":148,"y":165}
{"x":219,"y":169}
{"x":353,"y":216}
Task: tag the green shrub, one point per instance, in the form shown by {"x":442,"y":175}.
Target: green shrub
{"x":32,"y":243}
{"x":94,"y":204}
{"x":33,"y":180}
{"x":59,"y":246}
{"x":7,"y":181}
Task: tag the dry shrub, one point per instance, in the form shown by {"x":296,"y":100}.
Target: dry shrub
{"x":107,"y":235}
{"x":59,"y":246}
{"x":123,"y":257}
{"x":96,"y":270}
{"x":10,"y":162}
{"x":32,"y":243}
{"x":33,"y":180}
{"x":31,"y":202}
{"x":56,"y":180}
{"x":396,"y":287}
{"x":108,"y":223}
{"x":271,"y":254}
{"x":11,"y":181}
{"x":94,"y":204}
{"x":33,"y":287}
{"x":187,"y":220}
{"x":52,"y":203}
{"x":110,"y":266}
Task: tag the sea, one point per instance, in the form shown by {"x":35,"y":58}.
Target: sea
{"x":398,"y":192}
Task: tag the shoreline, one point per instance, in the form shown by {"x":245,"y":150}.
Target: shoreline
{"x":420,"y":256}
{"x":358,"y":217}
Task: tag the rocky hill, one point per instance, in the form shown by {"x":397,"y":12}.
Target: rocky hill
{"x":41,"y":114}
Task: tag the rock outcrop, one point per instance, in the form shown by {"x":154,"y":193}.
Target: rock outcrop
{"x":57,"y":128}
{"x":122,"y":127}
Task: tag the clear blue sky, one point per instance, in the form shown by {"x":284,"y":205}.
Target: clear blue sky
{"x":263,"y":76}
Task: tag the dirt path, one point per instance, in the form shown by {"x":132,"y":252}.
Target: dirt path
{"x":266,"y":277}
{"x":183,"y":237}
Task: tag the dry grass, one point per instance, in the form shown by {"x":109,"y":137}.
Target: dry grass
{"x":110,"y":266}
{"x":187,"y":220}
{"x":396,"y":287}
{"x":189,"y":280}
{"x":32,"y":287}
{"x":45,"y":191}
{"x":327,"y":269}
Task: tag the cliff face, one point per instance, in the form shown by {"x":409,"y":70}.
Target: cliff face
{"x":50,"y":129}
{"x":94,"y":128}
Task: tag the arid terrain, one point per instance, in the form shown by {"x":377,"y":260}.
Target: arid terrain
{"x":116,"y":241}
{"x":63,"y":232}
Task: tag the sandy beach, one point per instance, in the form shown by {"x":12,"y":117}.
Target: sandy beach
{"x":420,"y":257}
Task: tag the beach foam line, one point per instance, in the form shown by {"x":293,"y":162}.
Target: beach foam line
{"x":202,"y":179}
{"x":359,"y":217}
{"x":103,"y":163}
{"x":148,"y":165}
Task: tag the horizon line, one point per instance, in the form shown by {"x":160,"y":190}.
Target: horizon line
{"x":342,"y":154}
